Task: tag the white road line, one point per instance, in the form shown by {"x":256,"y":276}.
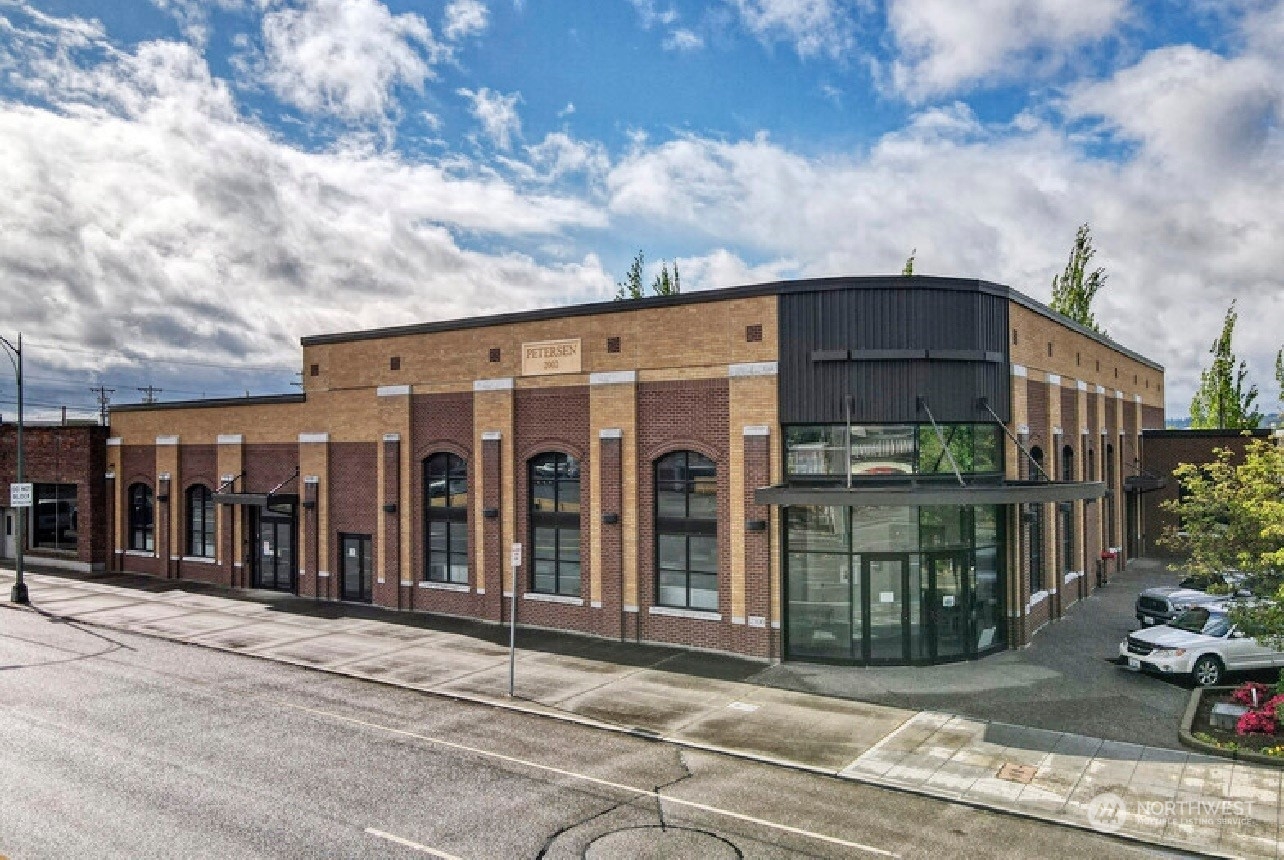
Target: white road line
{"x":650,"y":792}
{"x":415,"y":845}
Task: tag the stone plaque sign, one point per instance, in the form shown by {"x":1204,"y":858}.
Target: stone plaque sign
{"x":551,"y":356}
{"x":1018,"y":772}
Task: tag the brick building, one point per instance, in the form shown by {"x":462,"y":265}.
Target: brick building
{"x":1162,"y":452}
{"x":864,"y":470}
{"x":68,"y":522}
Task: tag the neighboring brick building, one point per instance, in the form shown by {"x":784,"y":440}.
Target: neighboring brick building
{"x":1162,"y":452}
{"x":67,"y":526}
{"x":862,"y":470}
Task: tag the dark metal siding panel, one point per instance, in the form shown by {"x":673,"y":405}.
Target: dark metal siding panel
{"x":893,"y":318}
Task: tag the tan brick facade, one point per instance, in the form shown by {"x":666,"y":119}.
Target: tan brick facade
{"x":649,"y":378}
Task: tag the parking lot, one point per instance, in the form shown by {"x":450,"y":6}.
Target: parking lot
{"x":1066,"y":680}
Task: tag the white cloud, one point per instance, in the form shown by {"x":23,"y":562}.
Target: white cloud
{"x":144,"y":214}
{"x":560,"y":155}
{"x":722,"y":268}
{"x":497,"y":114}
{"x":464,"y":18}
{"x":683,"y":39}
{"x":946,"y":46}
{"x":345,"y":57}
{"x":1197,"y":114}
{"x":811,"y":27}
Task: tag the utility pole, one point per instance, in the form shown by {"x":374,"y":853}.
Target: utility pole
{"x":149,"y":393}
{"x":19,"y":593}
{"x":104,"y":400}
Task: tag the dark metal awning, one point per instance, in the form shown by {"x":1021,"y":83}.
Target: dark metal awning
{"x":1004,"y":493}
{"x":1143,"y":483}
{"x":253,"y":500}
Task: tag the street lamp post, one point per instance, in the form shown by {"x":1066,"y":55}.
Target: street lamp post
{"x":19,"y":593}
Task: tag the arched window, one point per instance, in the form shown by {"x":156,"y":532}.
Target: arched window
{"x":142,"y":532}
{"x":200,"y":521}
{"x":555,"y":524}
{"x":446,"y":518}
{"x":1037,"y":469}
{"x":686,"y":531}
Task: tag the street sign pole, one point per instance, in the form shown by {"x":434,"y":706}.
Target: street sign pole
{"x":515,"y":559}
{"x":19,"y":593}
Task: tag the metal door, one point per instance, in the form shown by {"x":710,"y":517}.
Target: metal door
{"x":10,"y":527}
{"x":357,"y":563}
{"x":274,"y":552}
{"x":887,"y":607}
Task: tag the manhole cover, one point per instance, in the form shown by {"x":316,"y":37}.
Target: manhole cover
{"x":1018,"y":772}
{"x":652,"y":842}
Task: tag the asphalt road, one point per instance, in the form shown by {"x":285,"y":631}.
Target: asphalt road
{"x":114,"y":745}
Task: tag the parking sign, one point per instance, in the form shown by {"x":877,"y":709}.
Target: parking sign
{"x":20,"y":495}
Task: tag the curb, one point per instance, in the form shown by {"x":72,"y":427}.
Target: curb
{"x":647,"y":735}
{"x":1188,"y":739}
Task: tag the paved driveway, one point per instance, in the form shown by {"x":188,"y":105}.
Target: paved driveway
{"x":1064,"y":681}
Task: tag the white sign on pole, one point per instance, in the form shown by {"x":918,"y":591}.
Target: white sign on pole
{"x":20,"y":495}
{"x":515,"y":557}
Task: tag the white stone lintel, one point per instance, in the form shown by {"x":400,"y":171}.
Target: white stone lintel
{"x":753,"y":368}
{"x":230,"y":439}
{"x":613,"y":377}
{"x":1019,"y":370}
{"x":610,"y":433}
{"x":757,"y":430}
{"x":392,"y":391}
{"x":313,"y":438}
{"x":492,"y":436}
{"x":502,"y":384}
{"x":166,"y":440}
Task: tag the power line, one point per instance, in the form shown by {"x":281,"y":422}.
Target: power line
{"x":149,"y":393}
{"x":104,"y":401}
{"x":99,"y":351}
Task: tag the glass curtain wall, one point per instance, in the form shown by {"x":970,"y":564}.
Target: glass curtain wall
{"x":820,"y":452}
{"x":893,"y":584}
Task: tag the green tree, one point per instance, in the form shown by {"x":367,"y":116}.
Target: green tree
{"x":631,"y":286}
{"x":1075,"y":288}
{"x":1224,"y":399}
{"x":908,"y":271}
{"x":1232,"y":518}
{"x":666,"y":284}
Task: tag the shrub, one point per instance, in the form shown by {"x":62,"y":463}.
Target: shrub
{"x":1244,"y":694}
{"x":1256,"y":722}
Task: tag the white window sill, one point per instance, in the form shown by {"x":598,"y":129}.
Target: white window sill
{"x":554,"y":598}
{"x":200,"y":559}
{"x":140,"y":553}
{"x":446,"y":586}
{"x":697,"y":614}
{"x":1035,"y":599}
{"x":1073,"y":575}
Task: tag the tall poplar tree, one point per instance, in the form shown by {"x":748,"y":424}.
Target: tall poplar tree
{"x":1224,"y":399}
{"x":666,"y":284}
{"x":631,"y":286}
{"x":1075,"y":288}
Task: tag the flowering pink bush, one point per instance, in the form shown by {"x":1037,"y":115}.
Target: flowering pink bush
{"x":1259,"y":721}
{"x":1244,"y":694}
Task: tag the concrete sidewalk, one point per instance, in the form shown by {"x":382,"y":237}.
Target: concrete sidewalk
{"x":1161,"y":796}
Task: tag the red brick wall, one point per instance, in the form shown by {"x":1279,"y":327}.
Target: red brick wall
{"x":552,"y":419}
{"x":1040,"y":429}
{"x":352,"y":503}
{"x":63,"y":455}
{"x":1152,"y":418}
{"x":440,"y":422}
{"x":137,"y":465}
{"x":676,"y":416}
{"x":197,"y":464}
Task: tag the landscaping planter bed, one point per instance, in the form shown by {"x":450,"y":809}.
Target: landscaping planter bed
{"x":1258,"y":738}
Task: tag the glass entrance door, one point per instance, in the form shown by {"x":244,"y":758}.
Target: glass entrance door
{"x":887,"y":604}
{"x":356,"y":567}
{"x":274,"y":551}
{"x":949,"y":604}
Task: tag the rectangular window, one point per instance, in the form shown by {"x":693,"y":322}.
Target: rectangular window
{"x":54,"y":517}
{"x":819,"y":452}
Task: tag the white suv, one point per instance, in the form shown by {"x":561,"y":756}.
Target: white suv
{"x":1201,"y":642}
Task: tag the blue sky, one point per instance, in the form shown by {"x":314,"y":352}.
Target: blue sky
{"x":189,"y":186}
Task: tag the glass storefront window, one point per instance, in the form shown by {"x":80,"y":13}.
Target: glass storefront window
{"x":893,"y":584}
{"x":887,"y":450}
{"x":55,"y":517}
{"x":820,"y":452}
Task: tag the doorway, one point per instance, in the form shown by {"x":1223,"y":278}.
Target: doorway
{"x":7,"y":542}
{"x":273,"y":551}
{"x":357,"y":563}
